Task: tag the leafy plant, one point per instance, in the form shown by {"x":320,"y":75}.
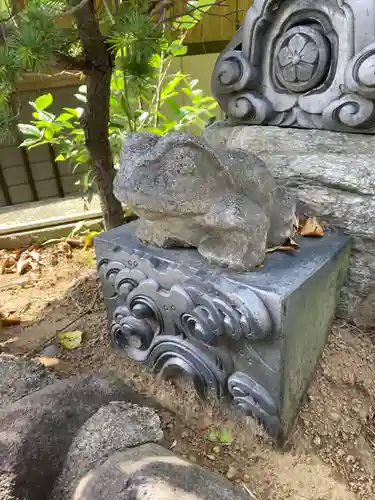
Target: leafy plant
{"x":221,"y":437}
{"x":150,"y":106}
{"x":133,"y":36}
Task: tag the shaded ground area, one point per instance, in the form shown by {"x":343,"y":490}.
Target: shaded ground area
{"x":331,"y":454}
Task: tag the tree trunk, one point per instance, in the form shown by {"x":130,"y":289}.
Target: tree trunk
{"x":99,"y":63}
{"x":97,"y":141}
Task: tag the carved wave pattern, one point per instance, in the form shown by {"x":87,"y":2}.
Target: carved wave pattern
{"x":176,"y":332}
{"x":253,"y":399}
{"x":252,"y":87}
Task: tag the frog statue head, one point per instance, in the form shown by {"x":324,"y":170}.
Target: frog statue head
{"x":223,"y":202}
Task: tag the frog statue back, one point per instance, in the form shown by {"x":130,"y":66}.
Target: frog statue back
{"x":223,"y":202}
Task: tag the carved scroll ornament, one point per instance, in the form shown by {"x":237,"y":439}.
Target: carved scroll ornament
{"x":300,"y":64}
{"x":177,"y":330}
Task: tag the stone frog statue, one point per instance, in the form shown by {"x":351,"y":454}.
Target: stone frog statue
{"x":223,"y":202}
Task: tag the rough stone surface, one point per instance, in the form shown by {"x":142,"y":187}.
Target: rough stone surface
{"x":36,"y":432}
{"x":112,"y":428}
{"x":219,"y":201}
{"x":18,"y":378}
{"x":150,"y":472}
{"x":306,"y":64}
{"x":333,"y":176}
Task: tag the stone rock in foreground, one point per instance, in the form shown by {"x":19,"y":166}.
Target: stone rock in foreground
{"x":150,"y":472}
{"x":19,"y":377}
{"x":112,"y":428}
{"x":333,"y":176}
{"x":36,"y":432}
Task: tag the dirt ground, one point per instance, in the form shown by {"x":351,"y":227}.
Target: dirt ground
{"x":331,"y":453}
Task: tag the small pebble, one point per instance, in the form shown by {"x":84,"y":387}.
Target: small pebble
{"x":317,"y":441}
{"x":232,"y":472}
{"x":211,"y":457}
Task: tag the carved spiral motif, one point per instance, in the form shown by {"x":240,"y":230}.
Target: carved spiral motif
{"x":253,"y":399}
{"x":302,"y":58}
{"x":214,"y":315}
{"x":173,"y":357}
{"x":233,"y":73}
{"x":249,"y":107}
{"x":351,"y":111}
{"x":360,"y":73}
{"x":132,"y":334}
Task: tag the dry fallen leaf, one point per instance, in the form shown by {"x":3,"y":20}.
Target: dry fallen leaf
{"x":289,"y":246}
{"x":7,"y":264}
{"x":24,"y":263}
{"x":48,"y":361}
{"x":173,"y":444}
{"x":312,"y":228}
{"x":70,"y":340}
{"x":75,"y":242}
{"x":10,"y":320}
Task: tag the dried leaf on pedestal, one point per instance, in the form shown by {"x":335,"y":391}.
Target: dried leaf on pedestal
{"x":312,"y":228}
{"x":289,"y":246}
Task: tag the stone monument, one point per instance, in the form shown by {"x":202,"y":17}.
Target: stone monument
{"x":305,"y":68}
{"x":189,"y":288}
{"x":301,"y":63}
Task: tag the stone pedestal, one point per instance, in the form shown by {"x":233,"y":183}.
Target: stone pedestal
{"x":253,"y":338}
{"x":333,"y":177}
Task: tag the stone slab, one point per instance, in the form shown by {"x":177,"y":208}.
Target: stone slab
{"x":151,"y":472}
{"x":40,"y":235}
{"x":253,"y":337}
{"x":333,"y":176}
{"x":46,"y":213}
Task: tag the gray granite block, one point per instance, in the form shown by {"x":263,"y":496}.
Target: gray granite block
{"x":253,"y":338}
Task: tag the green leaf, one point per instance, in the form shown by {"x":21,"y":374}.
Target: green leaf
{"x":174,"y":106}
{"x":225,"y":437}
{"x":171,"y":86}
{"x":64,"y":117}
{"x":177,"y":48}
{"x":48,"y":135}
{"x":60,"y":158}
{"x":45,"y":115}
{"x":154,"y":130}
{"x":77,"y":112}
{"x":27,"y":129}
{"x":43,"y":124}
{"x":29,"y":142}
{"x":43,"y":102}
